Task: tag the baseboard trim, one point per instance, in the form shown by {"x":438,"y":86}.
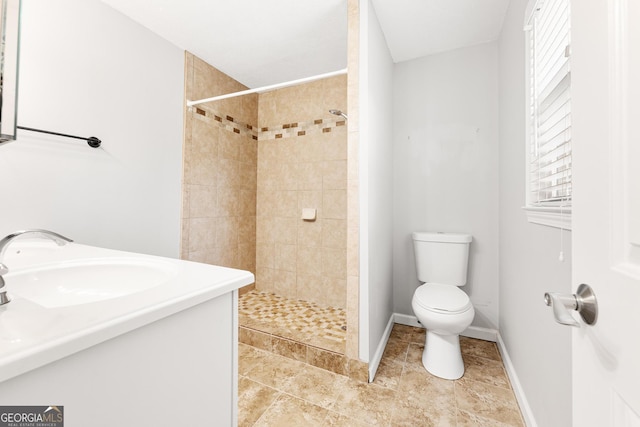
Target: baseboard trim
{"x":480,"y":333}
{"x":405,"y":319}
{"x":377,"y":357}
{"x":471,"y":332}
{"x":525,"y":409}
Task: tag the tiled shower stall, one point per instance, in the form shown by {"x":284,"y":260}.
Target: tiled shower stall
{"x":251,"y":164}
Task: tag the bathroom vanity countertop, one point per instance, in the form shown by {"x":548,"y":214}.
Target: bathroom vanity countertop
{"x":33,"y":335}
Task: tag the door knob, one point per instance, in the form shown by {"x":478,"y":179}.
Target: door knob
{"x":583,"y":301}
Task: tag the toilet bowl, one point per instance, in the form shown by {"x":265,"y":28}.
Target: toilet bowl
{"x":445,"y":311}
{"x":439,"y":304}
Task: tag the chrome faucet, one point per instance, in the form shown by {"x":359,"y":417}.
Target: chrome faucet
{"x":5,"y":242}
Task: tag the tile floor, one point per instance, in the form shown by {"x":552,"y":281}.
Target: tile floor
{"x":278,"y":391}
{"x":296,"y":320}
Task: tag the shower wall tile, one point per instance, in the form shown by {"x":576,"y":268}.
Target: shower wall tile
{"x":353,"y":215}
{"x":251,"y":164}
{"x":219,"y":176}
{"x":265,"y":255}
{"x":202,"y":234}
{"x":334,"y":263}
{"x":309,"y":261}
{"x":285,"y":258}
{"x":202,"y":201}
{"x":334,"y":204}
{"x":334,"y":175}
{"x":302,"y":164}
{"x":310,"y":234}
{"x":334,"y":234}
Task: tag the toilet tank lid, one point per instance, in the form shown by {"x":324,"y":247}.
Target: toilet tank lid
{"x":436,"y":236}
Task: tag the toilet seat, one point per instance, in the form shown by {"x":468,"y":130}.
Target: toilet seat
{"x":440,"y":298}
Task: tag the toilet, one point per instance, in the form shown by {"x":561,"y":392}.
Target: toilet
{"x":439,"y":304}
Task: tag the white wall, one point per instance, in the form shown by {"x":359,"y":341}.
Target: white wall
{"x":85,"y":69}
{"x":540,"y":349}
{"x":445,"y":116}
{"x":376,"y":177}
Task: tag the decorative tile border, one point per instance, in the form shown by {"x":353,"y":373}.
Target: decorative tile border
{"x":286,"y":130}
{"x":225,"y":122}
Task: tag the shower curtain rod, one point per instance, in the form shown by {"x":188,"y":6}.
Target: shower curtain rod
{"x":269,"y":87}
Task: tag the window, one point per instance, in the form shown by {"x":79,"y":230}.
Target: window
{"x":549,"y":113}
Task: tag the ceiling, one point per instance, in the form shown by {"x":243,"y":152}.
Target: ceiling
{"x":416,"y":28}
{"x":263,"y":42}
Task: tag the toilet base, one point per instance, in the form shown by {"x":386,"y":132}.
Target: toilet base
{"x":442,"y":357}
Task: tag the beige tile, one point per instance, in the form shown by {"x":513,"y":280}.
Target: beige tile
{"x":247,"y":231}
{"x":285,"y":283}
{"x":353,"y":302}
{"x":334,"y":233}
{"x":334,"y":204}
{"x":228,"y":201}
{"x":310,"y":176}
{"x":335,"y":144}
{"x":315,"y":385}
{"x":285,"y":257}
{"x":389,"y":373}
{"x":485,"y":370}
{"x":466,"y":419}
{"x":368,"y":403}
{"x":255,"y":338}
{"x":265,"y":255}
{"x":424,"y":398}
{"x":335,"y":419}
{"x":414,"y":355}
{"x":275,"y":371}
{"x":309,"y":261}
{"x":310,"y":148}
{"x":310,"y":234}
{"x":396,"y":350}
{"x":227,"y":229}
{"x":308,"y":286}
{"x":480,"y":348}
{"x":227,"y":173}
{"x":290,"y":349}
{"x":310,"y":199}
{"x":487,"y":401}
{"x":202,"y":234}
{"x":290,"y":411}
{"x":334,"y":292}
{"x":334,"y":175}
{"x":408,"y":333}
{"x":439,"y":410}
{"x":229,"y":145}
{"x":334,"y":263}
{"x":358,"y":370}
{"x":253,"y":401}
{"x":265,"y":278}
{"x":224,"y":256}
{"x":202,"y":201}
{"x":327,"y":360}
{"x":248,"y":357}
{"x":247,"y":175}
{"x":353,"y":246}
{"x":285,"y":230}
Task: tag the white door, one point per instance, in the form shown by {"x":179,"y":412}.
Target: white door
{"x":606,"y":215}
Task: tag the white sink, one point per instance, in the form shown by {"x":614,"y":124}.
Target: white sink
{"x":89,"y":280}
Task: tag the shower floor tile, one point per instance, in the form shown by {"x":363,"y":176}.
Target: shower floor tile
{"x":296,"y":320}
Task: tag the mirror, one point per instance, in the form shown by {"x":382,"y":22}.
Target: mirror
{"x":9,"y":50}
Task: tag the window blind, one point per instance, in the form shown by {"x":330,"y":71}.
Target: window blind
{"x":550,"y":104}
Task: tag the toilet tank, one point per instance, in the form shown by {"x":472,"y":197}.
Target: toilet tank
{"x":442,"y":257}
